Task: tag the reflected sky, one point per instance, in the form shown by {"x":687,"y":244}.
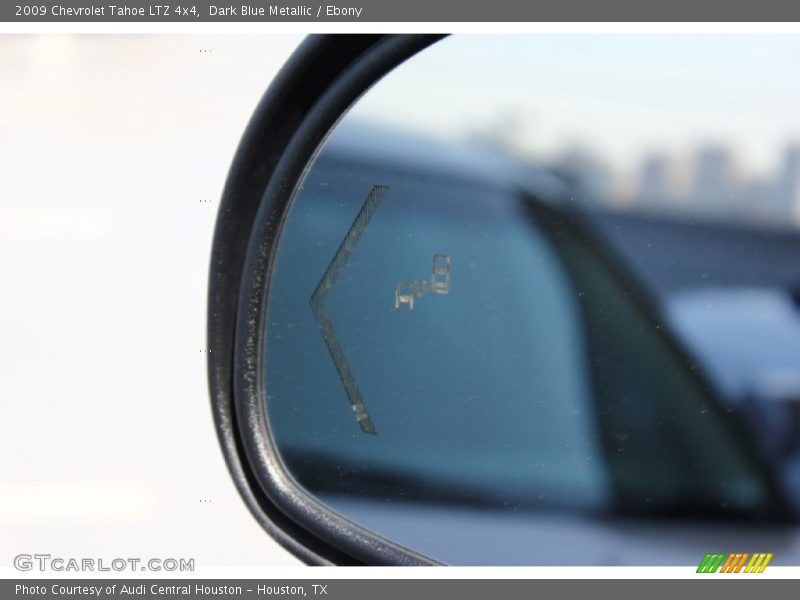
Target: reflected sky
{"x":627,"y":93}
{"x":605,"y":105}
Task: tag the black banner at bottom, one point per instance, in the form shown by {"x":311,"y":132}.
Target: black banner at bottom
{"x":389,"y":589}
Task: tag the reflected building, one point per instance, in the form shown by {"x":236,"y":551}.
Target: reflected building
{"x":787,"y":188}
{"x":713,"y":189}
{"x":588,"y":173}
{"x":655,"y":186}
{"x":654,"y":181}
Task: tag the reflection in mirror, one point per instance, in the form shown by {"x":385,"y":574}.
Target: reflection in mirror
{"x":536,"y":302}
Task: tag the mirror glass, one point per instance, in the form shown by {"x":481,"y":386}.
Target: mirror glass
{"x":537,"y":301}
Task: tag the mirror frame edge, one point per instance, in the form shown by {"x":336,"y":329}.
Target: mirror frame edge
{"x":288,"y":126}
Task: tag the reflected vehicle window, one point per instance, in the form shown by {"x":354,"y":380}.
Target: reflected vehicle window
{"x":478,"y":347}
{"x":490,"y":362}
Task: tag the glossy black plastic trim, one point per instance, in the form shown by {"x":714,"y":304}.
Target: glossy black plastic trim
{"x":322,"y":79}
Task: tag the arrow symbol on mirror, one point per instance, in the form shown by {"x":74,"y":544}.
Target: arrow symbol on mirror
{"x":324,"y":287}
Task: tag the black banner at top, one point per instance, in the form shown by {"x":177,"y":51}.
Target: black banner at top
{"x":371,"y":11}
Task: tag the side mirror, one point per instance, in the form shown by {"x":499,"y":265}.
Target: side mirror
{"x":431,"y":352}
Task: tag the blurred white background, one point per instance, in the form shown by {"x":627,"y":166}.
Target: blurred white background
{"x":108,"y":145}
